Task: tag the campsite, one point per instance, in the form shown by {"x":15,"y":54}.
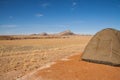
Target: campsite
{"x":59,"y":39}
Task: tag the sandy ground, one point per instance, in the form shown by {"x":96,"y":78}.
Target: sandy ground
{"x":74,"y":68}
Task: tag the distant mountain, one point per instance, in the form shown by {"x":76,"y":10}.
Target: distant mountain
{"x":40,"y":34}
{"x":43,"y":34}
{"x":63,"y":33}
{"x":67,"y":32}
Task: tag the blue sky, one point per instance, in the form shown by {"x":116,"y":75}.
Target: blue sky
{"x":52,"y":16}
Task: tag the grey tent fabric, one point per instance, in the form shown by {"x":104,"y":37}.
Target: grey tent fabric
{"x":104,"y":47}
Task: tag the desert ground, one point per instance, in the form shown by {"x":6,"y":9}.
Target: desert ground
{"x":20,"y":57}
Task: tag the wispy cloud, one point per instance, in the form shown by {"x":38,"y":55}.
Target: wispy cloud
{"x":44,"y":5}
{"x":10,"y":17}
{"x":119,"y":6}
{"x":39,"y":15}
{"x":74,"y":5}
{"x":7,"y":26}
{"x":64,"y":26}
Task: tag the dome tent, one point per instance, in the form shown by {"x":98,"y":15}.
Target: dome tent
{"x":104,"y":48}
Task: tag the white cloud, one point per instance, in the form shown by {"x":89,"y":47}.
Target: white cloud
{"x":8,"y":26}
{"x":39,"y":15}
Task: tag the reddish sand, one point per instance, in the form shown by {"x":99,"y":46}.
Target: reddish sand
{"x":76,"y":69}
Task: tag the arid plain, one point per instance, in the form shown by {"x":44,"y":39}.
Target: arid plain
{"x":21,"y":56}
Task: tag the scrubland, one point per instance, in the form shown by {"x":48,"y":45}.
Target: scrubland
{"x":21,"y":56}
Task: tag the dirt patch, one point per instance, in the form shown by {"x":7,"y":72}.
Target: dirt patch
{"x":76,"y":69}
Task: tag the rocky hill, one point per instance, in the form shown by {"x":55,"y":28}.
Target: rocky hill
{"x":65,"y":33}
